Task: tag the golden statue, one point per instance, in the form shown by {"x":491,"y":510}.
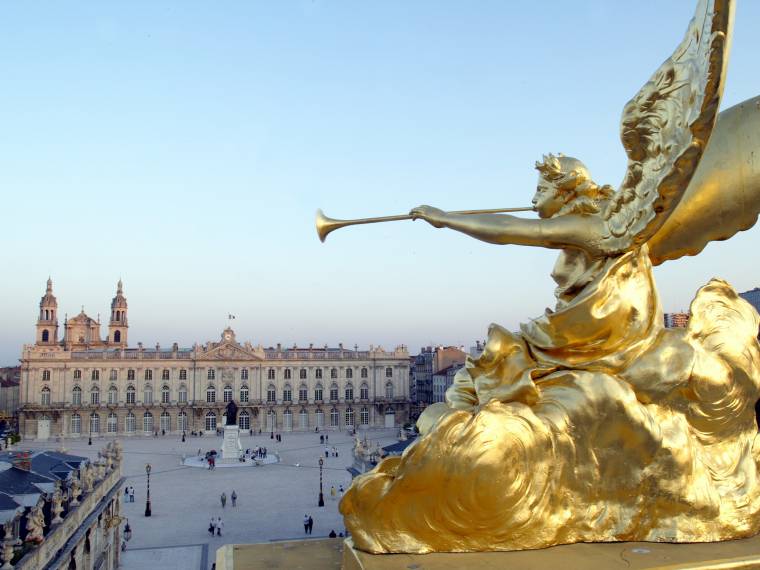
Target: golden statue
{"x":594,"y":422}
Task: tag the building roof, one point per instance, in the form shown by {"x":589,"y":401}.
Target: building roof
{"x":752,"y":297}
{"x":15,"y":481}
{"x":398,"y":447}
{"x":49,"y":464}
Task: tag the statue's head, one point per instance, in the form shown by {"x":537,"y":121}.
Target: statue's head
{"x":565,"y":186}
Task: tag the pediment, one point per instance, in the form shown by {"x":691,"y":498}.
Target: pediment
{"x":229,"y":351}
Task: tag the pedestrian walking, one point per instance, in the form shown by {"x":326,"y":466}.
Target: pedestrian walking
{"x":322,"y":439}
{"x":223,"y":499}
{"x":219,"y":526}
{"x":234,"y":498}
{"x":131,"y":494}
{"x":332,"y":492}
{"x":311,"y":524}
{"x":212,"y":526}
{"x":340,"y":490}
{"x":326,"y":438}
{"x":126,"y":494}
{"x":327,"y":452}
{"x":306,"y":524}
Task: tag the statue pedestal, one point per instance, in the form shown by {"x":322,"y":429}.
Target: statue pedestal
{"x":730,"y":554}
{"x":231,"y":447}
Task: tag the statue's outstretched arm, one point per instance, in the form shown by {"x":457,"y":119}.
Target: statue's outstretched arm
{"x":583,"y":232}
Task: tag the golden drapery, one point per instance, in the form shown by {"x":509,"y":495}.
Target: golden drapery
{"x":593,"y":424}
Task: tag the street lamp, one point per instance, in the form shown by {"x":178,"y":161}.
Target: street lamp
{"x":321,"y":502}
{"x":147,"y":500}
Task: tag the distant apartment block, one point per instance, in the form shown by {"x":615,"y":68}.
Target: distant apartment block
{"x":676,"y":320}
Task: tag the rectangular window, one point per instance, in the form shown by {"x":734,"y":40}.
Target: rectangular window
{"x":149,"y":375}
{"x":130,"y":397}
{"x":96,"y":374}
{"x":244,"y":374}
{"x":130,"y":374}
{"x":271,"y":395}
{"x":389,"y":372}
{"x":95,"y":397}
{"x":183,"y":374}
{"x":243,"y":394}
{"x":165,"y":374}
{"x":334,"y":394}
{"x":318,"y":394}
{"x":114,"y":375}
{"x":164,"y":396}
{"x":148,"y":396}
{"x":364,"y":393}
{"x":182,"y":396}
{"x":303,"y":394}
{"x":286,"y":395}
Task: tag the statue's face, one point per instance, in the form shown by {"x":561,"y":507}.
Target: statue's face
{"x":547,"y":201}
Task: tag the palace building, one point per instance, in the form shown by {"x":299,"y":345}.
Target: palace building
{"x":82,"y":385}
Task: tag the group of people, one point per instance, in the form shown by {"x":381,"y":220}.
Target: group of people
{"x":331,"y":451}
{"x":323,"y":439}
{"x":233,"y":496}
{"x":334,"y":493}
{"x":215,"y":526}
{"x":257,"y":452}
{"x":129,"y":494}
{"x":308,"y":524}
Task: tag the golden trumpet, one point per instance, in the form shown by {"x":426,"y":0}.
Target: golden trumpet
{"x":325,"y":225}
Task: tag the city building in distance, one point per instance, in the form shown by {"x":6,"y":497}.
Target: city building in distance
{"x":676,"y":320}
{"x":82,"y":385}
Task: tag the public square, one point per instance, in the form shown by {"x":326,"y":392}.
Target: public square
{"x":272,"y":499}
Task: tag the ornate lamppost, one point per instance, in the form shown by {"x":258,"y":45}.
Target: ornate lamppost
{"x":321,"y":502}
{"x":147,"y":500}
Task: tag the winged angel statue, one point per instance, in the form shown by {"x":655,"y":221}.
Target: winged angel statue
{"x":594,"y":422}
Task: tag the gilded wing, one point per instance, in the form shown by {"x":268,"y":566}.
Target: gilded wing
{"x":666,"y":126}
{"x":724,"y":194}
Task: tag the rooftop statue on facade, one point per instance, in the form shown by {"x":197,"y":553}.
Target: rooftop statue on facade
{"x":594,"y":423}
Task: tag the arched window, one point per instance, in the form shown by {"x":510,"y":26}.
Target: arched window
{"x":165,"y":374}
{"x":364,"y":392}
{"x":287,"y":420}
{"x":148,"y":422}
{"x":302,"y":374}
{"x":271,"y":393}
{"x":244,"y":420}
{"x":117,"y":336}
{"x":111,"y":423}
{"x":182,"y":394}
{"x":287,"y":393}
{"x":211,"y":395}
{"x":45,"y":336}
{"x":183,"y":374}
{"x":77,"y":374}
{"x":94,"y":423}
{"x":244,"y":374}
{"x":45,"y":396}
{"x":210,"y":421}
{"x":271,"y":420}
{"x":227,"y":393}
{"x":166,"y":421}
{"x":46,"y":374}
{"x":114,"y":374}
{"x":76,"y":396}
{"x":389,"y":372}
{"x":113,"y":395}
{"x":318,"y":374}
{"x":364,"y":372}
{"x":130,"y":374}
{"x":130,"y":423}
{"x":165,"y":394}
{"x":149,"y":374}
{"x":76,"y":424}
{"x":211,"y":374}
{"x":320,"y":416}
{"x":318,"y":393}
{"x":182,"y":421}
{"x":243,"y":393}
{"x":303,"y":419}
{"x":349,"y":372}
{"x":333,"y":373}
{"x":270,"y":374}
{"x":303,"y":393}
{"x":95,"y":375}
{"x":349,"y":417}
{"x":287,"y":374}
{"x":389,"y":390}
{"x":334,"y":417}
{"x":147,"y":394}
{"x":334,"y":392}
{"x":349,"y":392}
{"x":95,"y":395}
{"x":130,"y":395}
{"x":364,"y":416}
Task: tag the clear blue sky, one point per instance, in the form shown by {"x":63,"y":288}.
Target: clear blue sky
{"x":185,"y":146}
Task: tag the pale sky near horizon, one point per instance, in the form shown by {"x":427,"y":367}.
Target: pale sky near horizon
{"x":185,"y":146}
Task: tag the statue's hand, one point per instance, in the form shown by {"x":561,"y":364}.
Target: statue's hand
{"x":433,"y":216}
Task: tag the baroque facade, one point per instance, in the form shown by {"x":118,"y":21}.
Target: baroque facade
{"x":81,"y":385}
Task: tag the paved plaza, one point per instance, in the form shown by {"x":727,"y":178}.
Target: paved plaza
{"x":272,"y":499}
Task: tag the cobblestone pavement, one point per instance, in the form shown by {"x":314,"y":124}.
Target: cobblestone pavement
{"x":272,"y":499}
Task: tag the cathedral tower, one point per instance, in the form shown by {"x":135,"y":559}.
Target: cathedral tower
{"x":47,"y":323}
{"x":117,"y":326}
